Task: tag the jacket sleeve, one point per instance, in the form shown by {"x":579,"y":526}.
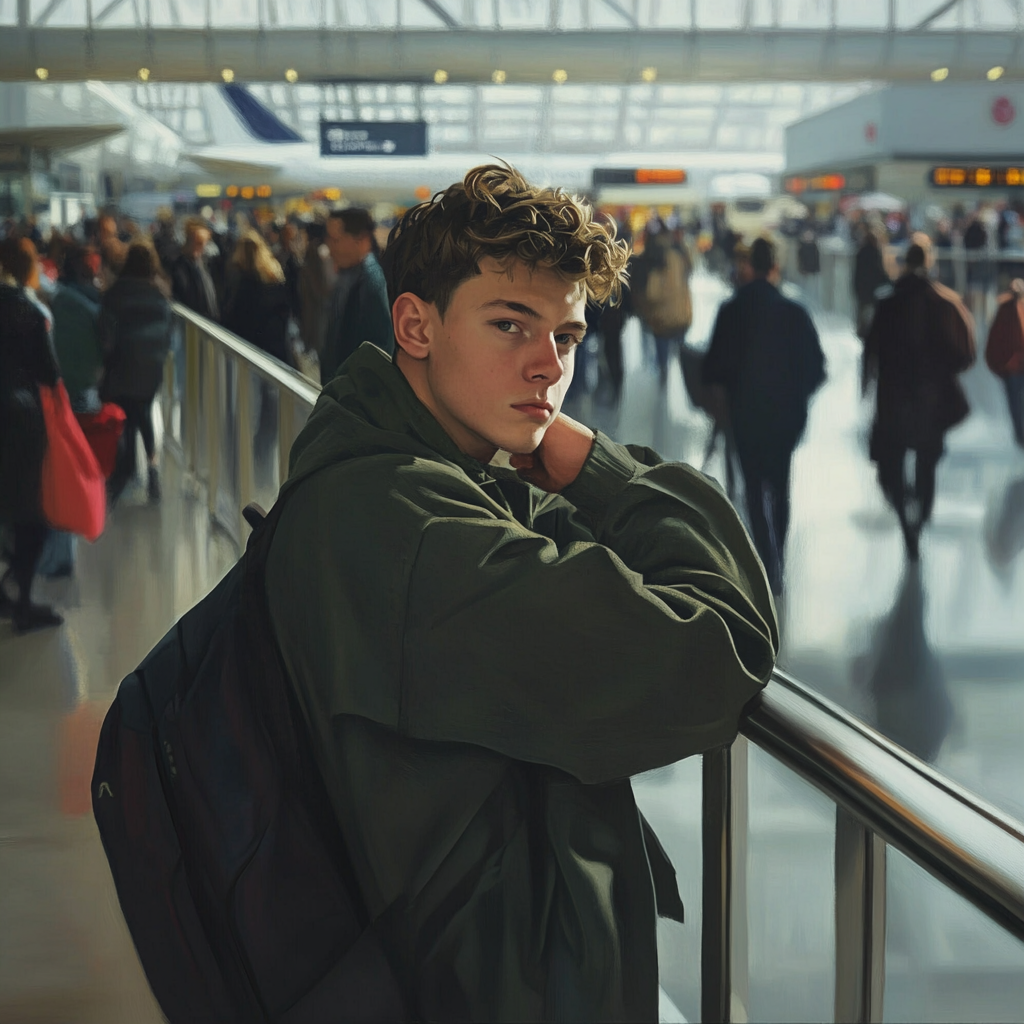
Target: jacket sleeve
{"x":602,"y":658}
{"x":718,"y":365}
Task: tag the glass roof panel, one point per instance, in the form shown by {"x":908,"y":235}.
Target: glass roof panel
{"x":8,"y":12}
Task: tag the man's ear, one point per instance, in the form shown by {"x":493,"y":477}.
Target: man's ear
{"x":412,"y":323}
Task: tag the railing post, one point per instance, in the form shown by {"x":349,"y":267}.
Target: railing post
{"x":285,"y":431}
{"x":724,"y":960}
{"x":243,"y":426}
{"x":212,"y":396}
{"x":192,"y":396}
{"x":860,"y":921}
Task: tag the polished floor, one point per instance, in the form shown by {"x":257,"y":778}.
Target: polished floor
{"x":937,"y":662}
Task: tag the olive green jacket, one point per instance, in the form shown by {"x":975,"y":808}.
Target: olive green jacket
{"x":483,"y":667}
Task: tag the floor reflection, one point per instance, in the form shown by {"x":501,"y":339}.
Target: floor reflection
{"x":907,"y":685}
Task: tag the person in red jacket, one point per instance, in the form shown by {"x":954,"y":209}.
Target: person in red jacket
{"x":1004,"y":353}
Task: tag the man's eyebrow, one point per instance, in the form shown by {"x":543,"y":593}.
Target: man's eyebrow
{"x":521,"y":307}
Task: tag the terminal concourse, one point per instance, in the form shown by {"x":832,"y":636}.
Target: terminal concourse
{"x":195,"y":207}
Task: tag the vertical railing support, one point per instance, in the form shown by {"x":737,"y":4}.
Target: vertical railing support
{"x":860,"y":922}
{"x":724,"y":959}
{"x":285,"y":432}
{"x":243,"y":428}
{"x":212,"y":405}
{"x":192,"y":397}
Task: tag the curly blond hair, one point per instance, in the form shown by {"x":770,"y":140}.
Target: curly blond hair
{"x":494,"y":212}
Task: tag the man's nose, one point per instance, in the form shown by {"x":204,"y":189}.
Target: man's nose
{"x":545,"y":363}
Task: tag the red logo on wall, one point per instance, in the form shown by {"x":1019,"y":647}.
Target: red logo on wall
{"x":1003,"y":110}
{"x":871,"y":131}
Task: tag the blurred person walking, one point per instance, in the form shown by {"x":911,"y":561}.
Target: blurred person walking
{"x":766,"y":357}
{"x":76,"y":339}
{"x":869,"y":275}
{"x":921,"y":338}
{"x":191,"y":282}
{"x":135,"y":332}
{"x":316,"y":284}
{"x":359,"y":310}
{"x":26,"y":362}
{"x":808,"y":261}
{"x":661,"y":294}
{"x":256,"y":309}
{"x":1004,"y":353}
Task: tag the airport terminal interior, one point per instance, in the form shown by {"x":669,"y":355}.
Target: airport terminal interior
{"x":866,"y":146}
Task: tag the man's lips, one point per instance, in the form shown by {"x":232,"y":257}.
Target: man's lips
{"x":536,"y":410}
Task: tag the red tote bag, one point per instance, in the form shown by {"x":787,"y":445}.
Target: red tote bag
{"x":103,"y":430}
{"x":74,"y":494}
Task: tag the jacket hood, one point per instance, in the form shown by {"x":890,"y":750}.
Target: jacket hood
{"x":369,"y":408}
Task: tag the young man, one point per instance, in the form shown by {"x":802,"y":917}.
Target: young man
{"x":359,"y":309}
{"x":486,"y":655}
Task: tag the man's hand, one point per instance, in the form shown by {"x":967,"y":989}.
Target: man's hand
{"x":559,"y":458}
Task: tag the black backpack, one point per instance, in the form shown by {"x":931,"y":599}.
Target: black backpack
{"x":229,"y":864}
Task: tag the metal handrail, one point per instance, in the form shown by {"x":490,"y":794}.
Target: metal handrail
{"x":969,"y":845}
{"x":883,"y":793}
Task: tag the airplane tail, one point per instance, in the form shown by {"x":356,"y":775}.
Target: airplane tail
{"x":238,"y":118}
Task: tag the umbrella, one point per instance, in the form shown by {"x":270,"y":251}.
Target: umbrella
{"x":881,"y":201}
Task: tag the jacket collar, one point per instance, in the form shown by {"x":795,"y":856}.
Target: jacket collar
{"x":370,"y":385}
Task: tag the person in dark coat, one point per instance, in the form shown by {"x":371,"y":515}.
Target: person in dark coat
{"x":869,"y":274}
{"x":135,"y":330}
{"x":26,"y":362}
{"x":921,"y":338}
{"x":256,"y":309}
{"x":360,"y":310}
{"x":765,"y":355}
{"x":316,"y":286}
{"x":190,"y":277}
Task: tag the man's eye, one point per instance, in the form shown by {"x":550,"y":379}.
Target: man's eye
{"x":568,"y":339}
{"x":505,"y":326}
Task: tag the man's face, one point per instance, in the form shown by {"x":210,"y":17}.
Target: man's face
{"x":197,"y":242}
{"x":346,"y":250}
{"x":501,"y":361}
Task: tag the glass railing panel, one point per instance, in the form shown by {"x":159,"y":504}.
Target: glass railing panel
{"x":790,"y":883}
{"x":945,"y":960}
{"x":670,"y":799}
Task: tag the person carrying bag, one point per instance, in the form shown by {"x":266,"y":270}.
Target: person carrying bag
{"x":73,"y":495}
{"x":1004,"y":353}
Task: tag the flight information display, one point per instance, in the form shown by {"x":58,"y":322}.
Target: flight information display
{"x":639,"y":176}
{"x":977,"y":177}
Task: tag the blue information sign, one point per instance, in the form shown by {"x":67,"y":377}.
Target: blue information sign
{"x":373,"y":138}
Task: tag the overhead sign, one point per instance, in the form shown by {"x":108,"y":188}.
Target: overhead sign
{"x":373,"y":138}
{"x":977,"y":177}
{"x":857,"y":179}
{"x":639,"y":176}
{"x":248,"y":191}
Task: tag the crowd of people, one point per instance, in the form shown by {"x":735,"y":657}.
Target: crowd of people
{"x":92,"y":306}
{"x":308,"y":293}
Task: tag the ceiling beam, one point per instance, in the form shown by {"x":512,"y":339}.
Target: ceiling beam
{"x":621,"y":11}
{"x":107,"y":11}
{"x":527,"y":56}
{"x":48,"y":11}
{"x":936,"y":14}
{"x":435,"y":7}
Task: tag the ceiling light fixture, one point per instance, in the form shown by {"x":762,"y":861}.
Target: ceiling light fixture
{"x":498,"y":77}
{"x":649,"y":74}
{"x":292,"y":75}
{"x":940,"y":74}
{"x":228,"y":75}
{"x":993,"y":73}
{"x":560,"y":76}
{"x":144,"y":74}
{"x":42,"y":74}
{"x":440,"y":76}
